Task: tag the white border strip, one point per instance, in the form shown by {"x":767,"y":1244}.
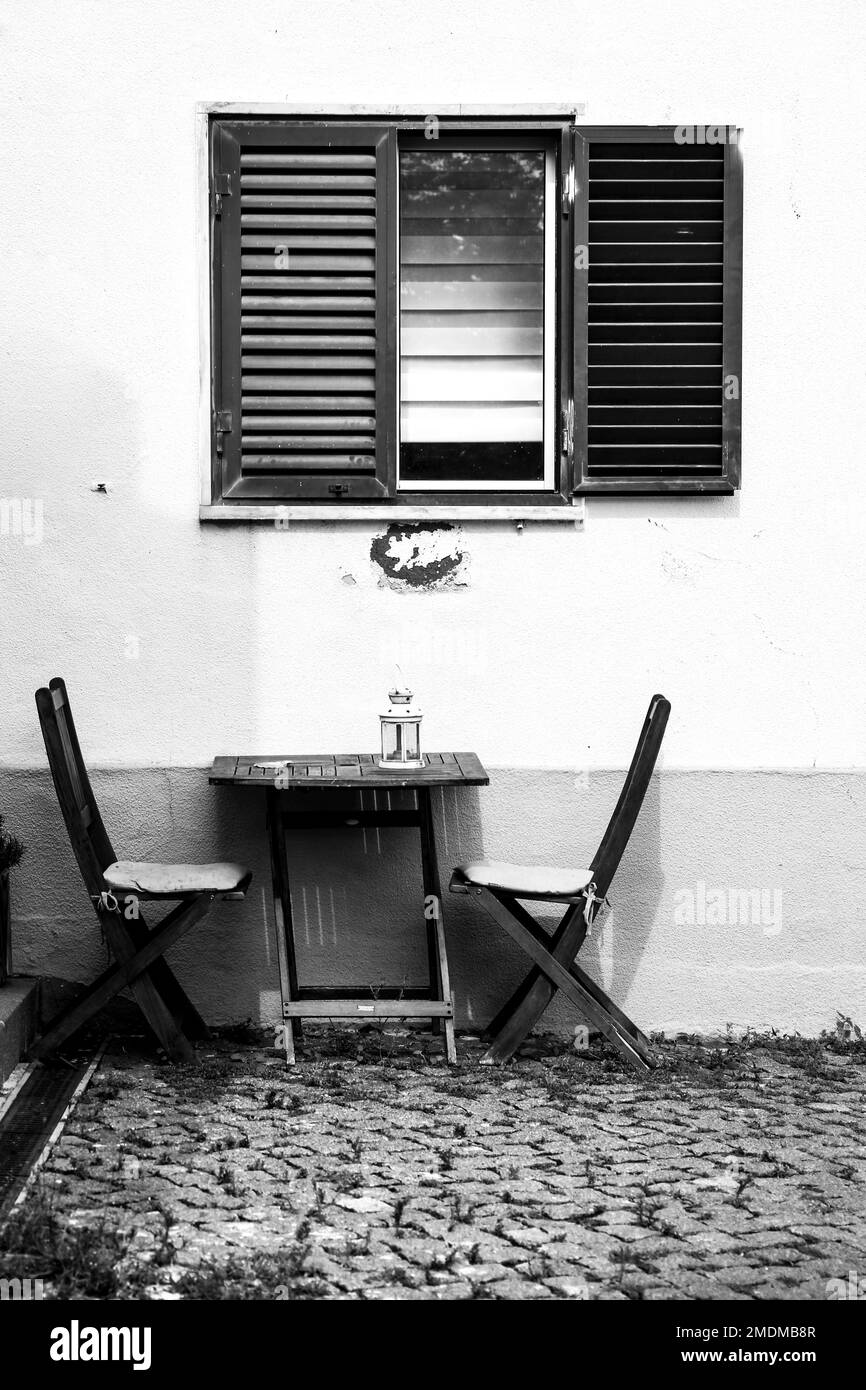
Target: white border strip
{"x":542,"y":110}
{"x":58,"y":1129}
{"x":280,"y":517}
{"x":13,"y":1083}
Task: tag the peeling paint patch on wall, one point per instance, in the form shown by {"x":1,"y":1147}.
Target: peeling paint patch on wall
{"x":414,"y":556}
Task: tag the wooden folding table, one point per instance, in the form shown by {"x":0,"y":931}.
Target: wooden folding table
{"x":362,"y":797}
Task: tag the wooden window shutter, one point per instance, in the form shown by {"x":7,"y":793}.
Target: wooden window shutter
{"x":658,"y":291}
{"x":300,"y":314}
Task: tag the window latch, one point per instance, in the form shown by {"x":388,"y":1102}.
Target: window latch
{"x":222,"y":426}
{"x":568,"y":192}
{"x":568,"y":430}
{"x":338,"y":489}
{"x":222,"y":188}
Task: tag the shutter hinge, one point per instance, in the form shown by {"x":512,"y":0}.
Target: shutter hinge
{"x":222,"y":188}
{"x":222,"y":425}
{"x":568,"y":430}
{"x":568,"y":192}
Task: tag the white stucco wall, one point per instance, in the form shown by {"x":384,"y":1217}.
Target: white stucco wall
{"x":672,"y":950}
{"x":179,"y":640}
{"x":743,"y":611}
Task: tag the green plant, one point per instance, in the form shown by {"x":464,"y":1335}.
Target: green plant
{"x":11,"y":850}
{"x":11,"y":853}
{"x":76,"y":1261}
{"x":264,"y":1276}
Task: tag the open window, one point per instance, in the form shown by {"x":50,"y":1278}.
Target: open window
{"x":477,"y":342}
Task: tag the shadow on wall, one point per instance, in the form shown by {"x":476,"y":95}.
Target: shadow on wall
{"x":125,"y":596}
{"x":125,"y":599}
{"x":358,"y":902}
{"x":142,"y":607}
{"x":612,"y":955}
{"x":131,"y":601}
{"x":551,"y":817}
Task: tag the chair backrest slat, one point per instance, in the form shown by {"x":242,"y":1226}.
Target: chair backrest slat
{"x":62,"y":716}
{"x":87,"y":833}
{"x":634,"y":789}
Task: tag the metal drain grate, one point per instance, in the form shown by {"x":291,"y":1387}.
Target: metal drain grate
{"x":29,"y":1122}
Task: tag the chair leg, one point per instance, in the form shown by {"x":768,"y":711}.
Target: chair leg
{"x":564,"y":946}
{"x":283,"y":926}
{"x":177,"y":998}
{"x":117,"y":977}
{"x":640,"y":1039}
{"x":509,"y":918}
{"x":515,"y":1022}
{"x":526,"y":984}
{"x":160,"y":973}
{"x":498,"y":1022}
{"x":163,"y":1021}
{"x":445,"y":990}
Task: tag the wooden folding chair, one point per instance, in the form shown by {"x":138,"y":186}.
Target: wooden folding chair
{"x":116,"y":888}
{"x":500,"y":887}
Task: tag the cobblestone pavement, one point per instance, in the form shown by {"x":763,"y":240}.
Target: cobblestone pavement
{"x":372,"y":1171}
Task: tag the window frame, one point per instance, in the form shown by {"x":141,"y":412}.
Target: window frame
{"x":571,"y":137}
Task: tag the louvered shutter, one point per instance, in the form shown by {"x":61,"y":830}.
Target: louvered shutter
{"x":300,"y":315}
{"x":658,"y":312}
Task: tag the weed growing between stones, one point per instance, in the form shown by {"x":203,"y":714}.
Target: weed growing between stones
{"x":264,"y":1277}
{"x":366,"y":1176}
{"x":73,"y":1260}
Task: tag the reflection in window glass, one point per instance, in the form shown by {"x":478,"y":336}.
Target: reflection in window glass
{"x":472,"y":301}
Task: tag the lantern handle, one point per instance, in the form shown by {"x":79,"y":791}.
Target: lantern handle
{"x":400,"y":682}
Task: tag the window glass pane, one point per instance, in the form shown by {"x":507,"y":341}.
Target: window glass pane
{"x":472,"y":320}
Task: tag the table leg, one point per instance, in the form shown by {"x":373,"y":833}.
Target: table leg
{"x":437,"y":959}
{"x":450,"y":1045}
{"x":283,"y":924}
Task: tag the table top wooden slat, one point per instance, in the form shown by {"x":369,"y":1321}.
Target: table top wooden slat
{"x":345,"y":770}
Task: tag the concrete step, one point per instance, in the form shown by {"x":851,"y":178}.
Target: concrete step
{"x":19,"y":1004}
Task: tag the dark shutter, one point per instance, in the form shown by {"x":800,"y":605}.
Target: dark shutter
{"x":657,"y":361}
{"x":300,"y":321}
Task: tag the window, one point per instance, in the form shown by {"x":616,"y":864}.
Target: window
{"x":477,"y":315}
{"x":454,"y":310}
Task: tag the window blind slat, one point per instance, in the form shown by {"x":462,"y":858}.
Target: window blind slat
{"x":447,"y":379}
{"x":470,"y":422}
{"x":471,"y":327}
{"x":654,"y":339}
{"x":294,"y":159}
{"x":470,"y":341}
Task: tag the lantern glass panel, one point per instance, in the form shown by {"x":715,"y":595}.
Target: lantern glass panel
{"x":392,"y":743}
{"x":410,"y":740}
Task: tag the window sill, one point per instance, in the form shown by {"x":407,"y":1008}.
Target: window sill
{"x":275,"y":514}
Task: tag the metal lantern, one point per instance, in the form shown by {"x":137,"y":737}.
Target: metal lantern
{"x":401,"y":732}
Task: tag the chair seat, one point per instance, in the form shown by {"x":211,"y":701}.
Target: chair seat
{"x":168,"y":880}
{"x":523,"y":880}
